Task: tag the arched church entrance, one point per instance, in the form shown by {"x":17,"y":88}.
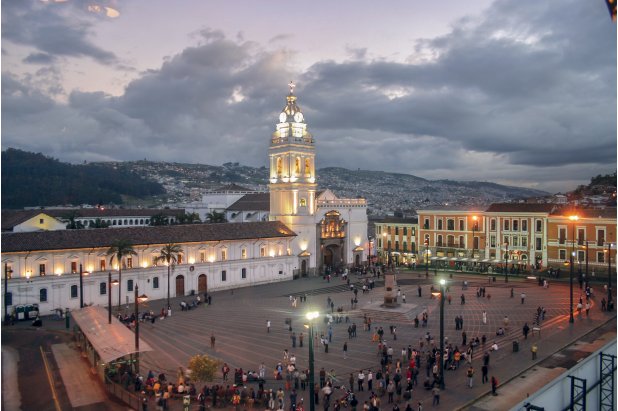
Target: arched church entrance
{"x":332,"y":256}
{"x":303,"y":268}
{"x":180,"y":286}
{"x":202,"y":284}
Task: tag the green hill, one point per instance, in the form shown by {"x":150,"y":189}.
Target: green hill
{"x":30,"y":180}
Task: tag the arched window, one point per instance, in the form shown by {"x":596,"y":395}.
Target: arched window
{"x":439,"y":224}
{"x":130,"y":285}
{"x":279,"y":166}
{"x":297,"y":166}
{"x":43,"y":295}
{"x":307,"y":167}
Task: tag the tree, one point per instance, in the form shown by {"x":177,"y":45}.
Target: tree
{"x":203,"y":367}
{"x":73,"y":224}
{"x":216,"y":217}
{"x":98,"y":223}
{"x":158,"y":219}
{"x":119,"y":250}
{"x":169,"y":254}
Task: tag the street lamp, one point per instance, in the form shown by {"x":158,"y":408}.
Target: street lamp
{"x":474,"y":228}
{"x":573,"y":219}
{"x":109,"y":296}
{"x":7,"y":273}
{"x":587,"y":277}
{"x":506,"y":259}
{"x":141,"y":298}
{"x":312,"y":315}
{"x":442,"y":283}
{"x":427,"y":258}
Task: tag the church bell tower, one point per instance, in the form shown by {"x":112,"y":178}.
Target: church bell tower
{"x":292,"y":181}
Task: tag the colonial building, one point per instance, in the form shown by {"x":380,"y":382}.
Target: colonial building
{"x":397,"y":235}
{"x":302,"y":231}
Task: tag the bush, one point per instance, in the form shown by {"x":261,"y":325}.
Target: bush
{"x":203,"y":367}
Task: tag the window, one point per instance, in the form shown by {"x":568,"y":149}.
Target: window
{"x":243,"y":253}
{"x":405,"y":231}
{"x":41,"y":221}
{"x":73,"y":291}
{"x":243,"y":273}
{"x":379,"y":243}
{"x":492,"y":241}
{"x":562,"y":254}
{"x":439,"y":241}
{"x":524,"y":225}
{"x":450,"y":224}
{"x":461,"y":241}
{"x":303,"y":202}
{"x":389,"y":244}
{"x":396,"y":245}
{"x":102,"y":264}
{"x":129,"y":263}
{"x":515,"y":225}
{"x":223,"y":275}
{"x":413,"y":247}
{"x":102,"y":288}
{"x":73,"y":267}
{"x":131,"y":222}
{"x":539,"y":226}
{"x":43,"y":295}
{"x":396,"y":230}
{"x":426,"y":240}
{"x":413,"y":232}
{"x":507,"y":225}
{"x":426,"y":224}
{"x":515,"y":241}
{"x":600,"y":257}
{"x":262,"y":251}
{"x":439,"y":224}
{"x":581,"y":255}
{"x":561,"y":235}
{"x":41,"y":269}
{"x":179,"y":259}
{"x":524,"y":241}
{"x":130,"y":285}
{"x":202,"y":256}
{"x":600,"y":237}
{"x":223,"y":255}
{"x":461,"y":225}
{"x":405,"y":246}
{"x":388,"y":230}
{"x":538,"y":245}
{"x":581,"y":236}
{"x":155,"y":282}
{"x":492,"y":224}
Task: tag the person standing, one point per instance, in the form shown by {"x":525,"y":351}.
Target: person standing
{"x":212,"y":341}
{"x":267,"y":326}
{"x":587,"y":308}
{"x":484,"y":371}
{"x":484,"y":317}
{"x":470,"y":375}
{"x":300,"y":339}
{"x":361,"y":380}
{"x":293,"y":337}
{"x":523,"y":297}
{"x":526,"y":330}
{"x":464,"y":338}
{"x":494,"y":385}
{"x":345,"y":350}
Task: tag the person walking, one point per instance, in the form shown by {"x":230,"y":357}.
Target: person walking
{"x":470,"y":375}
{"x":464,"y":338}
{"x":534,"y":349}
{"x":523,"y":297}
{"x":212,"y":341}
{"x":300,"y":339}
{"x":345,"y":350}
{"x":436,"y":395}
{"x":484,"y":317}
{"x":293,"y":338}
{"x":484,"y":370}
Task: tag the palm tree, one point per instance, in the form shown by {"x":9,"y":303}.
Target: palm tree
{"x":118,"y":250}
{"x":216,"y":217}
{"x":169,"y":254}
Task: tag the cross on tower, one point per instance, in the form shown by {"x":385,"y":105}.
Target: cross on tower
{"x":292,"y":85}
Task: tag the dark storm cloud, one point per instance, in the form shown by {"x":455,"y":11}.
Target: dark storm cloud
{"x":525,"y":89}
{"x":39,"y":58}
{"x":53,"y":29}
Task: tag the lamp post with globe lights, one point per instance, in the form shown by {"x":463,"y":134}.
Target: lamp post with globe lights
{"x":573,"y":219}
{"x":311,"y":316}
{"x":441,"y":294}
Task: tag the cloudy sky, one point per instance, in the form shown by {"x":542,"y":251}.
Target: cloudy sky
{"x":519,"y":92}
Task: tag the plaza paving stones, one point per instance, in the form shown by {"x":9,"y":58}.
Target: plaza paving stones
{"x":238,"y":320}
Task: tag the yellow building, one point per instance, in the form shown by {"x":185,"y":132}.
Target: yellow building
{"x":399,"y":236}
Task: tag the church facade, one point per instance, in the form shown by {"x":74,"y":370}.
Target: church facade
{"x":331,"y":232}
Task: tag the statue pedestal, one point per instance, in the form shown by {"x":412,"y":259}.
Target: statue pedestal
{"x":390,"y":294}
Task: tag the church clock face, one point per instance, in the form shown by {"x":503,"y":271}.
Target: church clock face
{"x":282,"y":117}
{"x":298,"y":117}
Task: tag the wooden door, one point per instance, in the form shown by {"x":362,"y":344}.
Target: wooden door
{"x":180,"y":286}
{"x":202,"y":284}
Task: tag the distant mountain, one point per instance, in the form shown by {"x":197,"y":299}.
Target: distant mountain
{"x":30,"y":180}
{"x":50,"y":182}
